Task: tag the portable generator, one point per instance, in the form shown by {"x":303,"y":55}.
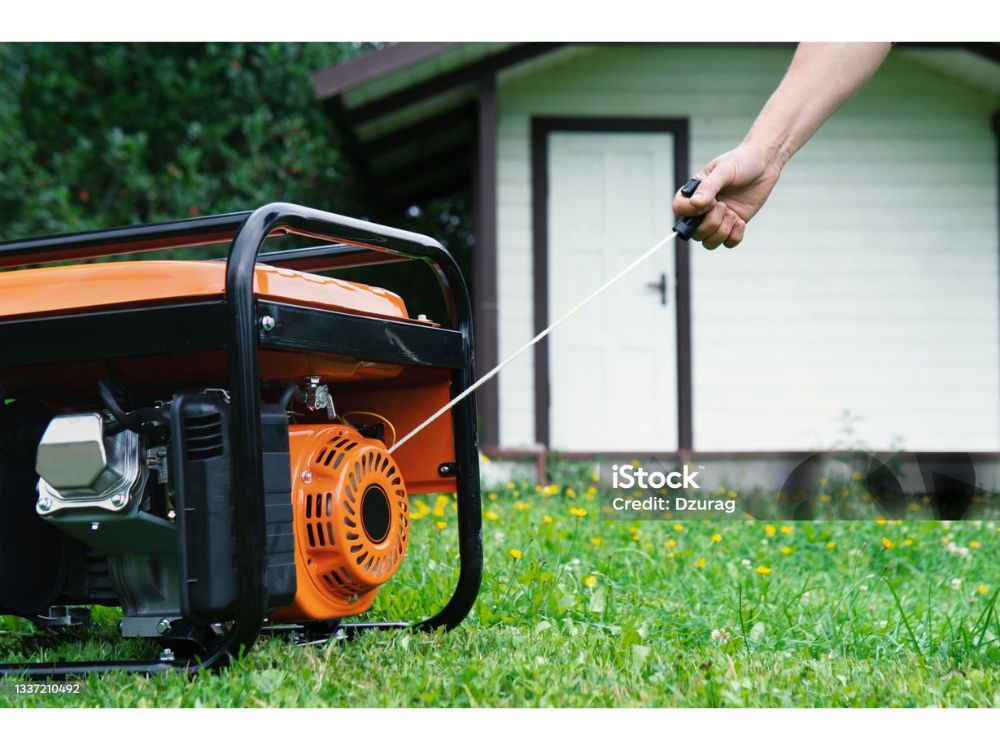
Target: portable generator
{"x":207,"y":445}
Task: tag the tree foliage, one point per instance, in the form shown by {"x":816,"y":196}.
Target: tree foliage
{"x":100,"y":135}
{"x":95,"y":136}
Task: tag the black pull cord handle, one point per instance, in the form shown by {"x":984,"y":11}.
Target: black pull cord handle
{"x":685,"y":226}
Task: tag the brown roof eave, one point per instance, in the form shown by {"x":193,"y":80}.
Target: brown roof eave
{"x":338,"y":78}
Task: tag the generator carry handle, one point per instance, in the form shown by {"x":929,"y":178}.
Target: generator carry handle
{"x":351,"y":243}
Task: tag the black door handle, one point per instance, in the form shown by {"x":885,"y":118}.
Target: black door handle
{"x":661,"y":287}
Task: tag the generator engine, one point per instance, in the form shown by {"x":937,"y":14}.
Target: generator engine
{"x":169,"y":444}
{"x":135,"y":509}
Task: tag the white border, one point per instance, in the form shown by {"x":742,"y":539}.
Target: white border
{"x":511,"y":729}
{"x":501,"y":20}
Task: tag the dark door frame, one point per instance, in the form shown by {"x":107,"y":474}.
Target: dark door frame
{"x":541,"y":128}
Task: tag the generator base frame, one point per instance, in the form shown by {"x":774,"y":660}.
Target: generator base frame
{"x":242,"y":325}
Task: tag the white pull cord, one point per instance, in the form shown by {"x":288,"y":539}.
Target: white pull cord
{"x":541,"y":335}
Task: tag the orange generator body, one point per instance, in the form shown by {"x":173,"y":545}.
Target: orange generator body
{"x":208,"y":445}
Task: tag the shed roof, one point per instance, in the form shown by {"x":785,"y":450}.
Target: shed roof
{"x":408,"y":111}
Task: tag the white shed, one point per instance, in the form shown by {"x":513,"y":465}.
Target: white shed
{"x":863,"y":307}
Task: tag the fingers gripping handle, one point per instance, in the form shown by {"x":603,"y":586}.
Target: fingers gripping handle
{"x":685,"y":226}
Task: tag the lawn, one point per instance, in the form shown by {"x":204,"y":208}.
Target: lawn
{"x":580,"y":609}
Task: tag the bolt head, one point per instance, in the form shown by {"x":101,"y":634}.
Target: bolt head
{"x":44,"y":504}
{"x":267,"y":323}
{"x":163,"y":626}
{"x":95,"y":526}
{"x":119,"y":501}
{"x":307,"y":477}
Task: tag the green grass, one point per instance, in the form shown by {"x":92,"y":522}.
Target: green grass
{"x":609,"y":612}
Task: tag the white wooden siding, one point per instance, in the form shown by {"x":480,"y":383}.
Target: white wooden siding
{"x":868,"y":284}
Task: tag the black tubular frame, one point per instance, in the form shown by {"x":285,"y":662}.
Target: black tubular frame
{"x":235,"y":324}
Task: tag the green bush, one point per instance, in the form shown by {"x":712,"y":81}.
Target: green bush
{"x":99,"y":135}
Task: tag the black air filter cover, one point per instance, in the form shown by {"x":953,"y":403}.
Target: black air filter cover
{"x":202,"y":483}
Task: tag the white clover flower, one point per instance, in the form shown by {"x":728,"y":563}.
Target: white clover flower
{"x":720,"y":635}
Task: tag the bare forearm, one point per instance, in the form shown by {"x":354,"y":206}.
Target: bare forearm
{"x":821,"y":78}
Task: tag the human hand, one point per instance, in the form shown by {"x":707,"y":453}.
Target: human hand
{"x":734,"y":187}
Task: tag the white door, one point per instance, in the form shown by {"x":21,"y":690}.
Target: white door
{"x":612,"y":368}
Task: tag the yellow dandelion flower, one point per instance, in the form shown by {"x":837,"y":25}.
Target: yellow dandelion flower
{"x":552,"y":489}
{"x":422,"y":510}
{"x":678,"y":527}
{"x":442,"y":525}
{"x":786,"y":550}
{"x":720,"y":491}
{"x":591,"y":491}
{"x":578,"y":512}
{"x":595,"y":477}
{"x":887,"y":543}
{"x":786,"y":530}
{"x":856,"y":476}
{"x":491,"y":516}
{"x":491,"y":496}
{"x":570,"y":492}
{"x":547,"y":519}
{"x":770,"y":530}
{"x":880,"y":521}
{"x":700,"y":562}
{"x":590,"y":581}
{"x":731,"y":494}
{"x":825,"y":498}
{"x":831,"y":545}
{"x":511,"y":486}
{"x":763,"y":570}
{"x":907,"y":542}
{"x":596,"y":541}
{"x":914,"y":507}
{"x":484,"y":458}
{"x":440,"y":504}
{"x":454,"y":507}
{"x":635,"y":463}
{"x":515,"y":553}
{"x":822,"y":481}
{"x":521,"y":505}
{"x":716,"y":538}
{"x":866,"y":496}
{"x":671,"y":544}
{"x":983,"y":588}
{"x":517,"y":493}
{"x":974,"y":544}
